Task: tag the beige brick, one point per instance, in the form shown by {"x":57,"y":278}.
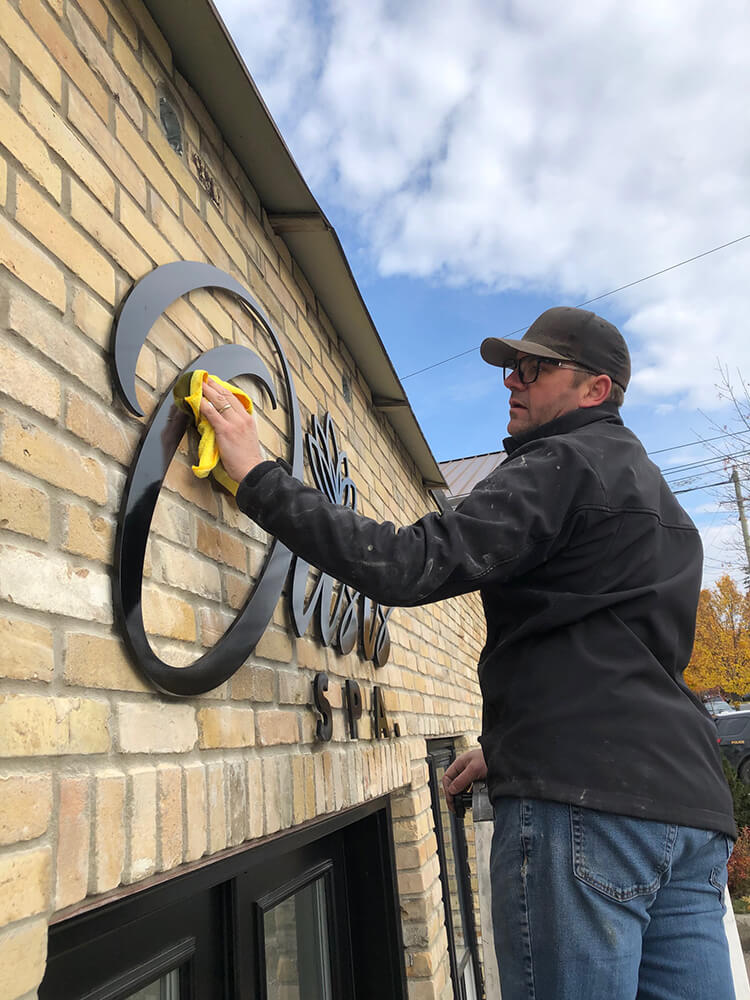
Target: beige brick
{"x":180,"y":568}
{"x":23,"y":954}
{"x":5,"y":67}
{"x":211,"y":248}
{"x":155,"y":727}
{"x":41,"y":219}
{"x":213,"y":624}
{"x":24,"y":380}
{"x":125,"y":23}
{"x":100,"y":428}
{"x":107,"y":233}
{"x":108,"y":831}
{"x":26,"y":651}
{"x":24,"y":145}
{"x":256,"y":797}
{"x":295,"y":688}
{"x":173,"y":230}
{"x":298,"y":790}
{"x":97,"y":15}
{"x":215,"y":313}
{"x":24,"y":509}
{"x":31,"y":265}
{"x":92,"y":318}
{"x":48,"y":582}
{"x":60,"y":343}
{"x":22,"y":40}
{"x":146,"y":235}
{"x":272,"y":795}
{"x":227,"y":240}
{"x":27,"y":807}
{"x":195,"y":812}
{"x":146,"y":161}
{"x":99,"y":60}
{"x":58,"y":135}
{"x":172,"y":521}
{"x":254,"y":683}
{"x":65,"y":54}
{"x":31,"y":726}
{"x":226,"y":727}
{"x":217,"y":813}
{"x":83,"y":117}
{"x":180,"y":479}
{"x":72,"y":868}
{"x":274,"y":645}
{"x":141,"y":824}
{"x":38,"y":453}
{"x":134,"y":71}
{"x":25,"y":878}
{"x":175,"y":164}
{"x":220,"y":546}
{"x":276,"y":726}
{"x":88,"y":535}
{"x":3,"y":182}
{"x":168,"y":616}
{"x":100,"y":662}
{"x":169,"y":815}
{"x":154,"y":37}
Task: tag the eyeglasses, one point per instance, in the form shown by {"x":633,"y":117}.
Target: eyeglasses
{"x":529,"y":366}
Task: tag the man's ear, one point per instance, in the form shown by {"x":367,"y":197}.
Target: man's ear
{"x":597,"y":391}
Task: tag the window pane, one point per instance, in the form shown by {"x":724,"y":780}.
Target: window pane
{"x":166,"y":988}
{"x":296,"y":946}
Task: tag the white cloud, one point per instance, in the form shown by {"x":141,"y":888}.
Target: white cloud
{"x":559,"y":148}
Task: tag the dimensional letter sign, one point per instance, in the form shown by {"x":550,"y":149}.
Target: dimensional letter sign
{"x":352,"y":612}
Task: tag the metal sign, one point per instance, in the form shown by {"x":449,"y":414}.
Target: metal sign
{"x":148,"y":300}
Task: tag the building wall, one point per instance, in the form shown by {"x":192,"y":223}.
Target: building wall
{"x":105,"y":782}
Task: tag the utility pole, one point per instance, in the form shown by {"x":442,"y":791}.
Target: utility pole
{"x":743,"y":519}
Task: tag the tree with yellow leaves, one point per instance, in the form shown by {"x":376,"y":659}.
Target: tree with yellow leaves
{"x":721,"y":654}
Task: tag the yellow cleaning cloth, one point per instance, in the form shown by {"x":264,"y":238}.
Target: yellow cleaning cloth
{"x":208,"y":453}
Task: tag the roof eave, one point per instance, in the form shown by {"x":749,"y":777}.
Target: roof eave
{"x":207,"y":57}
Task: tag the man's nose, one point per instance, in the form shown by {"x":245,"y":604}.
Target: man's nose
{"x":513,"y":380}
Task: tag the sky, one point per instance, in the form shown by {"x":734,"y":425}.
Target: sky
{"x":485,"y":160}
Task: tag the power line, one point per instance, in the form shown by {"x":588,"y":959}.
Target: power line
{"x":702,"y":463}
{"x":707,"y":486}
{"x":587,"y":302}
{"x":689,"y":444}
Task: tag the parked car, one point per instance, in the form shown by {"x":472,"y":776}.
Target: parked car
{"x":734,"y":741}
{"x":717,"y":706}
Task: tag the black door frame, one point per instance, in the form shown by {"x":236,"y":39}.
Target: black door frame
{"x":93,"y":945}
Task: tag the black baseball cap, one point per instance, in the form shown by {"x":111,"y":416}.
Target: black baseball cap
{"x":567,"y":334}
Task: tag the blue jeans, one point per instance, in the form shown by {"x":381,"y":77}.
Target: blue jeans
{"x":592,"y":906}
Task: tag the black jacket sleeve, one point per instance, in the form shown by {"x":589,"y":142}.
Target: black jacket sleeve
{"x":506,"y":526}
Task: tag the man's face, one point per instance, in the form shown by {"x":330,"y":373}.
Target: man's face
{"x":551,"y":395}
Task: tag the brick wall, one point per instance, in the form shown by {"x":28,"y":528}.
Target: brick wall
{"x":103,"y":781}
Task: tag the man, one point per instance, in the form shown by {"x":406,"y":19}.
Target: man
{"x":612,"y":817}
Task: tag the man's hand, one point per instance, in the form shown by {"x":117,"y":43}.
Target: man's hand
{"x":464,"y":770}
{"x":236,"y":430}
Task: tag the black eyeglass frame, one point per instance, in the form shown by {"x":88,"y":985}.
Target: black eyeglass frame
{"x":520,"y":364}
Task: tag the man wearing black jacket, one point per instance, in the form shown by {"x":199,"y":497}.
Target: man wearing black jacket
{"x":613,"y":821}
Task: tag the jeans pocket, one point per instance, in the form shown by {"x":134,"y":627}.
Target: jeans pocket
{"x":620,"y":856}
{"x":718,"y":876}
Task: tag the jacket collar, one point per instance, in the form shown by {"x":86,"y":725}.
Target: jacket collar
{"x":565,"y":424}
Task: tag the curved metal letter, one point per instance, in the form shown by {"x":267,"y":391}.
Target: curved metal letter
{"x":146,"y":302}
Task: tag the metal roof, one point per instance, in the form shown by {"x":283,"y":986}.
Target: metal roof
{"x":463,"y":474}
{"x":207,"y":57}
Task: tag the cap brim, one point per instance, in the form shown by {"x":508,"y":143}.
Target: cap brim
{"x":498,"y":351}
